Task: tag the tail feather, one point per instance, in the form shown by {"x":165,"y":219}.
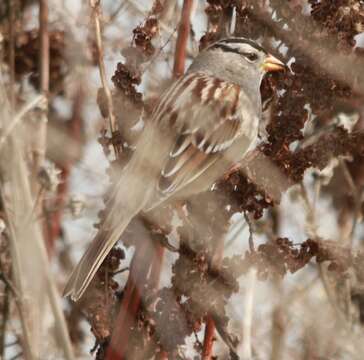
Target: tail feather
{"x":128,"y":199}
{"x":132,"y":193}
{"x":92,"y":260}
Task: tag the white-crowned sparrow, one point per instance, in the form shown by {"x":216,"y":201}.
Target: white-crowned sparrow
{"x":203,"y":124}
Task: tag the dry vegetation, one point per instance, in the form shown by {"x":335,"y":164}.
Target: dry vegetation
{"x":212,"y":277}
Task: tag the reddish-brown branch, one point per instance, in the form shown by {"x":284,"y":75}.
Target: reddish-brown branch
{"x":44,"y":46}
{"x":182,"y":38}
{"x":139,"y":269}
{"x":210,"y":326}
{"x":162,"y":355}
{"x":208,"y":339}
{"x":153,"y":282}
{"x":116,"y":349}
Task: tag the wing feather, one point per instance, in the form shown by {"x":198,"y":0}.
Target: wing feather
{"x":198,"y":147}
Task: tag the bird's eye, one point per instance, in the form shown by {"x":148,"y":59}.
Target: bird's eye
{"x":251,"y":56}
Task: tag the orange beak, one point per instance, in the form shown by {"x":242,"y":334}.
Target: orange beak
{"x":272,"y":64}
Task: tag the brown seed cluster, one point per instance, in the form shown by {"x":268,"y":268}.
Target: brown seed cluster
{"x":277,"y":258}
{"x":342,"y":18}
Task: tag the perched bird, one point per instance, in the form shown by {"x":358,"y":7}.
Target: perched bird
{"x":204,"y":123}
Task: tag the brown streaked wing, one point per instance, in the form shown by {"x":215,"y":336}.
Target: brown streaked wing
{"x":205,"y":131}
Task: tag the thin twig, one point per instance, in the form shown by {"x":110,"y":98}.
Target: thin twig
{"x":96,"y":14}
{"x":115,"y":13}
{"x":312,"y":232}
{"x":356,"y":197}
{"x":39,"y":143}
{"x":158,"y":53}
{"x":12,"y":52}
{"x":209,"y":339}
{"x":10,"y":285}
{"x":121,"y":271}
{"x":44,"y":46}
{"x":59,"y":319}
{"x":15,"y":256}
{"x":251,"y":231}
{"x":163,"y":26}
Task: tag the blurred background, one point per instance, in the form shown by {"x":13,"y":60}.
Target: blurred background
{"x":268,"y":264}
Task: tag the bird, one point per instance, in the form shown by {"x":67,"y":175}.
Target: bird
{"x":203,"y":124}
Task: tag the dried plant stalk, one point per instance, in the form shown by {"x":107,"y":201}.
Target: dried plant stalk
{"x":248,"y":316}
{"x":96,"y":14}
{"x":15,"y":251}
{"x":12,"y":51}
{"x":39,"y":143}
{"x":32,"y":275}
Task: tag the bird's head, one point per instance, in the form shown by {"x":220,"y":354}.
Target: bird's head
{"x":238,"y":60}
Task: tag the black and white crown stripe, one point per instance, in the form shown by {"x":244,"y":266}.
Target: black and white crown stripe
{"x":242,"y":41}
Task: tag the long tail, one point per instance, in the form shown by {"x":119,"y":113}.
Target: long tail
{"x":91,"y":261}
{"x":129,"y":198}
{"x":132,"y":193}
